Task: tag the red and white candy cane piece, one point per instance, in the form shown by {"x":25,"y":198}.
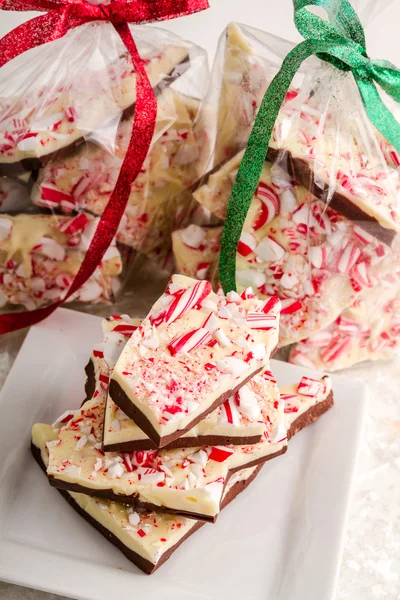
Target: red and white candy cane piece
{"x":211,"y":323}
{"x":202,"y":270}
{"x":230,"y":412}
{"x":299,"y":358}
{"x":49,"y":248}
{"x":220,"y":453}
{"x":51,"y":196}
{"x":125,"y":329}
{"x":191,"y":298}
{"x":359,"y":274}
{"x":269,"y":205}
{"x":70,"y":114}
{"x":335,"y":349}
{"x":271,"y":304}
{"x":347,"y":325}
{"x":74,"y":225}
{"x":348,"y":258}
{"x":151,"y":476}
{"x":81,"y":187}
{"x":104,"y":380}
{"x":261,"y":321}
{"x":311,"y":387}
{"x":247,"y":294}
{"x":290,"y":306}
{"x":270,"y":250}
{"x":320,"y":339}
{"x":246,"y":244}
{"x":190,"y":340}
{"x":318,"y":256}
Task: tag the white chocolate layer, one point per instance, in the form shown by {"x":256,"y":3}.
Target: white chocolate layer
{"x":172,"y":390}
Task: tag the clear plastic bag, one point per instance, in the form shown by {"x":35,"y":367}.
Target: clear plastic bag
{"x":66,"y":114}
{"x":322,"y":229}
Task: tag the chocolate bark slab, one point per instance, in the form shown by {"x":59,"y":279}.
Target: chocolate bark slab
{"x":173,"y":440}
{"x":301,"y":172}
{"x":145,"y":565}
{"x":193,"y":350}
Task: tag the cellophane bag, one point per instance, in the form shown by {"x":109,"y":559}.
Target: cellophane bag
{"x":322,"y":228}
{"x":66,"y":115}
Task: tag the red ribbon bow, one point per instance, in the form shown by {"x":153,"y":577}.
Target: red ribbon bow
{"x":62,"y":16}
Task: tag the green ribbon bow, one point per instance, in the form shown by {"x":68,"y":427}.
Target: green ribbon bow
{"x":341,"y":42}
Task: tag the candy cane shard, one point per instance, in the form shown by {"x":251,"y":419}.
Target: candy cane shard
{"x":33,"y":129}
{"x":305,"y":402}
{"x":368,"y":330}
{"x":163,"y":380}
{"x":147,"y":538}
{"x":41,"y":254}
{"x":196,"y":250}
{"x":315,"y":260}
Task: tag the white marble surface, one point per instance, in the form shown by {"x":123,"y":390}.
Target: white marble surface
{"x":371,"y":560}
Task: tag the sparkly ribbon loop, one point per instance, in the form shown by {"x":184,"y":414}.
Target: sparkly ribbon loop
{"x":62,"y":16}
{"x":339,"y":41}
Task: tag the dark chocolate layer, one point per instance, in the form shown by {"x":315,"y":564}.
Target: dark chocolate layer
{"x":123,"y":401}
{"x":135,"y":558}
{"x":301,"y":172}
{"x":184,"y":442}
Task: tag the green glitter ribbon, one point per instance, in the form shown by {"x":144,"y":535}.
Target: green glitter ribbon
{"x":339,"y":41}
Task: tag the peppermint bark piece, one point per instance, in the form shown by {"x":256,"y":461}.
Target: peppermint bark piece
{"x":367,"y":330}
{"x":305,"y":402}
{"x":196,"y":250}
{"x":87,"y":177}
{"x":146,"y":538}
{"x":41,"y":254}
{"x":238,"y":421}
{"x":188,"y":481}
{"x":57,"y":118}
{"x":293,"y":246}
{"x":328,"y":145}
{"x":245,"y":78}
{"x":192,"y":352}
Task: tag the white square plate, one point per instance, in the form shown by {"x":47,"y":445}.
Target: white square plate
{"x":280,"y":540}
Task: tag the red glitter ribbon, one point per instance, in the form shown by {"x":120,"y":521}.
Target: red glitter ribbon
{"x":62,"y":16}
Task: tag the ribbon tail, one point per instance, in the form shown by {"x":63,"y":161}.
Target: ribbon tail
{"x":253,"y":160}
{"x":378,"y":113}
{"x":139,"y":144}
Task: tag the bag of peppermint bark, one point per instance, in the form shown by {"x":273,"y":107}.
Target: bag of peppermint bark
{"x":320,"y":230}
{"x":66,"y":118}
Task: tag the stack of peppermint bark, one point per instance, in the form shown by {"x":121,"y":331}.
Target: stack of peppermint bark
{"x":182,"y":411}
